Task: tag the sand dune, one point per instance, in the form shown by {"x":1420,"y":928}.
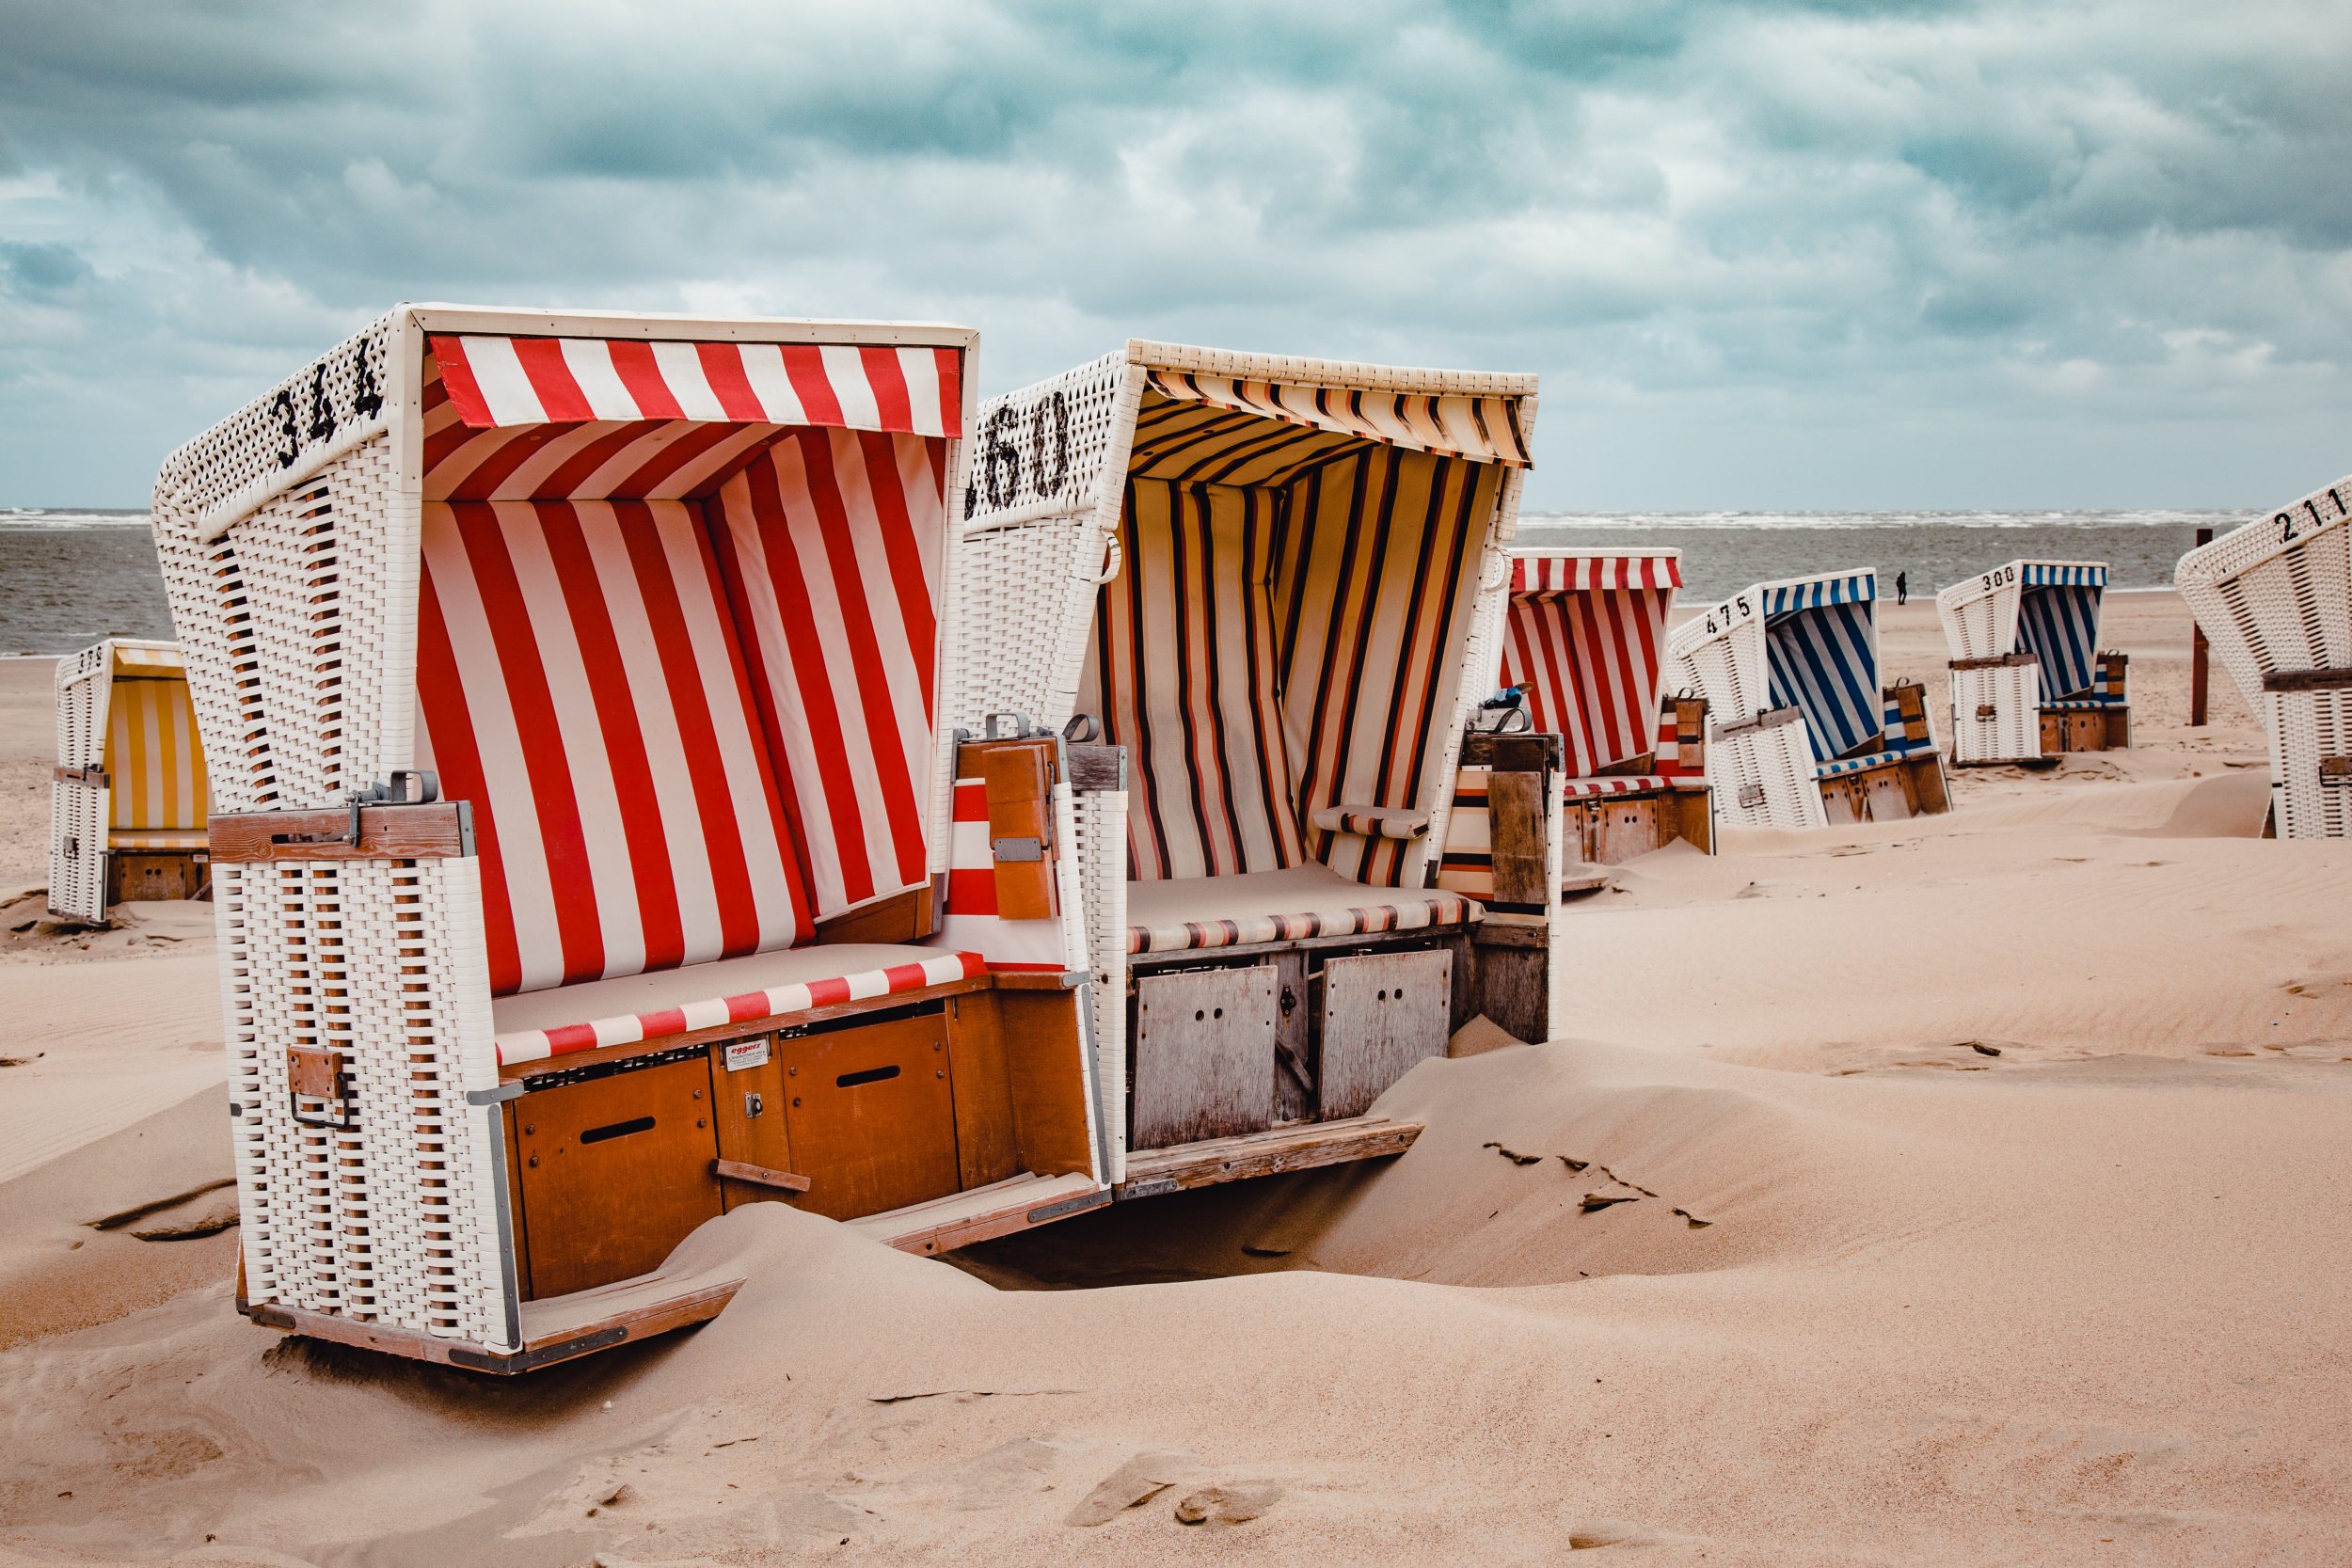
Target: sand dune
{"x":1965,"y":1192}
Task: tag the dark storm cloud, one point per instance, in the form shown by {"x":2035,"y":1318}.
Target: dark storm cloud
{"x":1698,"y":218}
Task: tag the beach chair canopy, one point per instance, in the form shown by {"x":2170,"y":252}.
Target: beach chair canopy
{"x":2048,"y":609}
{"x":149,"y":752}
{"x":1295,"y":553}
{"x":674,"y":594}
{"x":1585,"y":640}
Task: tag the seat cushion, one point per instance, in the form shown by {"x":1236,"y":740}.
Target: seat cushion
{"x":537,"y":1024}
{"x":1857,"y":764}
{"x":1623,"y":783}
{"x":1278,"y":906}
{"x":162,"y":841}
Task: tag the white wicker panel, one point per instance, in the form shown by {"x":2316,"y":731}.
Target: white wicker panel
{"x":1054,"y":446}
{"x":1977,"y":623}
{"x":2270,"y":594}
{"x":283,"y":436}
{"x":1100,"y":854}
{"x":1776,"y":758}
{"x":78,"y":816}
{"x":395,"y":1218}
{"x":83,"y":683}
{"x":1019,"y":633}
{"x":2306,"y":727}
{"x":2013,"y":733}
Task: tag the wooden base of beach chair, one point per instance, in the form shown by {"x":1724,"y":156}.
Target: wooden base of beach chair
{"x":556,"y":1329}
{"x":2085,"y":730}
{"x":166,"y":875}
{"x":917,"y":1116}
{"x":1298,"y":1146}
{"x":1609,"y":830}
{"x":1891,"y":792}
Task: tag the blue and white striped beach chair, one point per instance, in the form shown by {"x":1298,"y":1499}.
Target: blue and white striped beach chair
{"x":1803,"y":733}
{"x":2027,"y":678}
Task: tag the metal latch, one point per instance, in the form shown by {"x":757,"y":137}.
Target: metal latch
{"x":1017,"y":848}
{"x":1987,"y":711}
{"x":315,"y":1073}
{"x":2335,"y":772}
{"x":1751,"y":795}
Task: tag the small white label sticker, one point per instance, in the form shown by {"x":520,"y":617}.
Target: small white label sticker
{"x":747,"y":1053}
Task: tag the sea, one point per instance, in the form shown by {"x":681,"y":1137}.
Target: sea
{"x":69,"y":577}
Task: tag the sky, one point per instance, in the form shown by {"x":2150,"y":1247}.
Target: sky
{"x":1834,"y":255}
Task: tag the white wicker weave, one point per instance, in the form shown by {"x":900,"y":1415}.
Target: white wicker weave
{"x":1996,"y":713}
{"x":2274,"y":598}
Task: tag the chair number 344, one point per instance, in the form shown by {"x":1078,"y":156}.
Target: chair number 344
{"x":314,"y":419}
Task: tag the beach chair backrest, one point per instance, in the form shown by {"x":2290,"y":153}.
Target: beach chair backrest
{"x":154,"y":759}
{"x":1585,"y":640}
{"x":1259,"y":575}
{"x":1823,"y":648}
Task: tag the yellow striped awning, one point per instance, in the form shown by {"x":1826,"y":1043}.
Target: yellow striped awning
{"x":1484,"y":428}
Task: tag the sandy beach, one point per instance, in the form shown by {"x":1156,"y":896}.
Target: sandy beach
{"x":1985,"y":1202}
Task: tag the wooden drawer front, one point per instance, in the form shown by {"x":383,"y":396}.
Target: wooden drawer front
{"x":1845,"y":800}
{"x":1622,"y":830}
{"x":1382,"y":1012}
{"x":2086,"y":732}
{"x":1886,"y":797}
{"x":615,"y":1171}
{"x":1204,"y":1056}
{"x":869,"y":1112}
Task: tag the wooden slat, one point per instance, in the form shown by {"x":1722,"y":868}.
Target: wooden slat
{"x":2307,"y":680}
{"x":628,"y":1320}
{"x":1996,"y":661}
{"x":1518,"y":806}
{"x":1761,"y":721}
{"x":1515,"y":752}
{"x":1150,"y":1172}
{"x":902,"y":918}
{"x":759,"y":1176}
{"x":439,"y":830}
{"x":1018,"y":775}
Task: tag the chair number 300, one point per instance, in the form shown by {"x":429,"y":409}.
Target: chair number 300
{"x":317,"y":420}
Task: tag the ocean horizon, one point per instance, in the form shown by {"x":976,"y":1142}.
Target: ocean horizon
{"x":70,"y":575}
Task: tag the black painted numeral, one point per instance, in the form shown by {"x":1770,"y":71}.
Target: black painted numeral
{"x":283,"y":408}
{"x":1000,"y":460}
{"x":322,"y":407}
{"x":1058,"y":404}
{"x":368,"y":401}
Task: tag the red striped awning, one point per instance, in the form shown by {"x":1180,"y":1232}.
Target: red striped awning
{"x":504,"y":381}
{"x":1560,"y":574}
{"x":1483,"y":429}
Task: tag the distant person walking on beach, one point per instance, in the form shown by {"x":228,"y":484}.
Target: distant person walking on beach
{"x":1902,"y":588}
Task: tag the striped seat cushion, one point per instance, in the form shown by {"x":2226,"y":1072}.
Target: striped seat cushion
{"x":154,"y":761}
{"x":162,"y":841}
{"x":535,"y":1025}
{"x":1278,"y":906}
{"x":2077,"y":704}
{"x":1627,"y":784}
{"x":579,"y":679}
{"x":1857,"y":764}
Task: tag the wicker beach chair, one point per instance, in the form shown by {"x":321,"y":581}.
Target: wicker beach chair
{"x":1583,"y":644}
{"x":1261,"y":576}
{"x":2274,"y":598}
{"x":1804,"y":735}
{"x":128,"y":803}
{"x":582,"y":846}
{"x":2027,"y":678}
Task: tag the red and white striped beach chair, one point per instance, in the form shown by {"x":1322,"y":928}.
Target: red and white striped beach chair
{"x":581,"y":839}
{"x":127,"y":800}
{"x":1260,"y":576}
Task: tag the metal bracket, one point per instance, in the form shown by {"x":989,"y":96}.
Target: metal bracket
{"x":493,"y":1097}
{"x":1017,"y":848}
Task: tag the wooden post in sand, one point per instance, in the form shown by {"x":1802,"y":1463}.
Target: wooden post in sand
{"x":2197,"y":657}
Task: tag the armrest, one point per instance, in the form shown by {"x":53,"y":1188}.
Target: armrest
{"x":1373,"y":821}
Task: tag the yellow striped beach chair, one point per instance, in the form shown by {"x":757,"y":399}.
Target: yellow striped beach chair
{"x":129,"y":801}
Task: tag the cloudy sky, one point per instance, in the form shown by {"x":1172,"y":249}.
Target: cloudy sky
{"x":1824,"y":255}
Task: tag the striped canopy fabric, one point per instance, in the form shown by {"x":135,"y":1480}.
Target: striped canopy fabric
{"x":506,"y":381}
{"x":581,"y":682}
{"x":678,"y":636}
{"x":2059,"y":626}
{"x":1271,"y":652}
{"x":1485,"y":429}
{"x":154,"y":760}
{"x":1822,"y":647}
{"x":1585,"y":640}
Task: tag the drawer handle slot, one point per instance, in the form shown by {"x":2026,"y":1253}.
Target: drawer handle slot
{"x":618,"y":1129}
{"x":870,"y":1075}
